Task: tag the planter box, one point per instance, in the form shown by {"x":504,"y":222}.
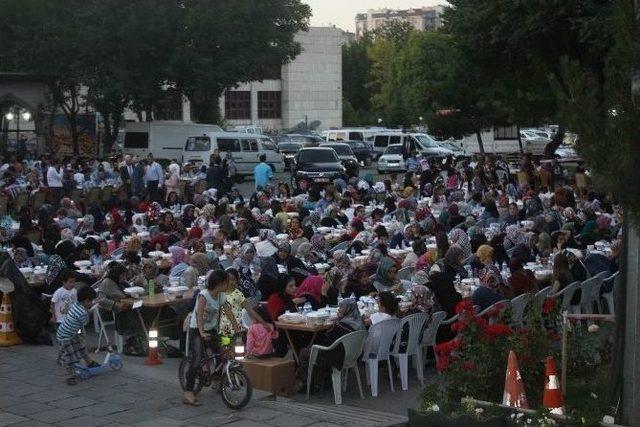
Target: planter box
{"x":438,"y":419}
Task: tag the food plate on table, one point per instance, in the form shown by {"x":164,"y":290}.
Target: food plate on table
{"x":156,"y":254}
{"x":82,"y":264}
{"x":324,"y":230}
{"x":318,"y":318}
{"x":292,"y":318}
{"x":134,"y":291}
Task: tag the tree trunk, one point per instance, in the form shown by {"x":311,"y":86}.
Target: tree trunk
{"x":519,"y":140}
{"x":480,"y":143}
{"x":556,"y":142}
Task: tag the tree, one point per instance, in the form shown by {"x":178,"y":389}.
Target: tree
{"x":356,"y":90}
{"x":225,"y":43}
{"x":519,"y":47}
{"x":122,"y":54}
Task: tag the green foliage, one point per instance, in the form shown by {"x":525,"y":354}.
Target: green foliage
{"x":140,"y":54}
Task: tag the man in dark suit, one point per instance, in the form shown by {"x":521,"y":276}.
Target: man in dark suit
{"x":137,"y":178}
{"x":215,"y":174}
{"x":126,"y":172}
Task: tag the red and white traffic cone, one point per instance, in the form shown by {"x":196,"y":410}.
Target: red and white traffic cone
{"x":552,"y":397}
{"x":514,"y":394}
{"x":152,"y":355}
{"x":8,"y":335}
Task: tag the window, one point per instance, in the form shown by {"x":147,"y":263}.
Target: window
{"x":136,"y":140}
{"x":426,"y":141}
{"x":198,"y":143}
{"x":395,"y":139}
{"x":268,"y":144}
{"x":228,"y":145}
{"x":237,"y":105}
{"x":342,"y":149}
{"x":318,"y":156}
{"x":249,"y":145}
{"x":381,"y":141}
{"x":355,"y":136}
{"x":270,"y":104}
{"x":505,"y":132}
{"x":393,"y":149}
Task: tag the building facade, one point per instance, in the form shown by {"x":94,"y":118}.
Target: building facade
{"x":425,"y":18}
{"x":309,"y":88}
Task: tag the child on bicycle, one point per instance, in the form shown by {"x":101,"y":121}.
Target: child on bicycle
{"x":69,"y":334}
{"x":204,"y":326}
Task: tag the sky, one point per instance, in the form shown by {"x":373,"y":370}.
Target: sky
{"x":341,"y":13}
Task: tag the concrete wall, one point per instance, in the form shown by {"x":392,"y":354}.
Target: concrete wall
{"x":312,"y":83}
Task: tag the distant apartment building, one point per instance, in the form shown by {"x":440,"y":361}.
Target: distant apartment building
{"x":308,"y":89}
{"x":424,"y":18}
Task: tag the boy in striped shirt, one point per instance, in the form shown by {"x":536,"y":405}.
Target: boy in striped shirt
{"x":69,"y":335}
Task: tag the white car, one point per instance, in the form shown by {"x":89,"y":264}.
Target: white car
{"x":391,"y":160}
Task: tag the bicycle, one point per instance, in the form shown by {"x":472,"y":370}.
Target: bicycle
{"x":226,"y":370}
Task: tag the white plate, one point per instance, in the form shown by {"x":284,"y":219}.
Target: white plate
{"x":282,"y":236}
{"x":177,"y":289}
{"x":82,"y":264}
{"x":134,"y":290}
{"x":156,"y":254}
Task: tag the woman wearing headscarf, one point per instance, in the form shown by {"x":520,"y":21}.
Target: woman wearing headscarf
{"x":442,"y":243}
{"x":86,"y":226}
{"x":386,"y":279}
{"x":442,"y":275}
{"x":343,"y":263}
{"x":521,"y":281}
{"x":543,"y":247}
{"x":311,"y":287}
{"x":198,"y":266}
{"x":178,"y":260}
{"x":266,"y":246}
{"x":292,"y":264}
{"x":21,"y":258}
{"x":149,"y":273}
{"x":349,"y":320}
{"x":247,"y":268}
{"x":461,"y":238}
{"x":306,"y":254}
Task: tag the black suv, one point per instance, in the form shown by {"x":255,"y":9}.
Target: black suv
{"x":317,"y":164}
{"x":348,"y":159}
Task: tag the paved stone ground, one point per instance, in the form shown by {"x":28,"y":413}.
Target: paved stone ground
{"x":33,"y":392}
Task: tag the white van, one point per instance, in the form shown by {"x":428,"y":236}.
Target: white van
{"x":163,"y":139}
{"x":352,"y":134}
{"x":421,"y":142}
{"x":245,"y":148}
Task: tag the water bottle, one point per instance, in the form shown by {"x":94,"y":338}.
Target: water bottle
{"x":352,"y":296}
{"x":306,"y":309}
{"x":353,"y":252}
{"x":339,"y":298}
{"x":152,"y":287}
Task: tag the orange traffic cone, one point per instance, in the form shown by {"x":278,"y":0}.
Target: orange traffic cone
{"x":552,"y":397}
{"x":8,"y":335}
{"x":514,"y":394}
{"x":152,"y":355}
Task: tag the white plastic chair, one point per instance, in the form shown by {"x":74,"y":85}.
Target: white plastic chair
{"x":353,"y":344}
{"x":566,"y":295}
{"x":416,"y":323}
{"x":118,"y":253}
{"x":405,"y":273}
{"x":377,"y":348}
{"x":340,"y":246}
{"x":590,"y":295}
{"x":609,"y":296}
{"x":119,"y":341}
{"x":430,"y":332}
{"x":518,"y":305}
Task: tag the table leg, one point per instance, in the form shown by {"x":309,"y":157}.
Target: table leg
{"x":293,"y":348}
{"x":144,"y":327}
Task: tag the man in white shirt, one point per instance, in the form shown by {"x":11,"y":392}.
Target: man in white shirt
{"x":153,"y":179}
{"x":54,"y":180}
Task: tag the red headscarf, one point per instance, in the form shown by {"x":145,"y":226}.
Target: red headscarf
{"x":312,"y":285}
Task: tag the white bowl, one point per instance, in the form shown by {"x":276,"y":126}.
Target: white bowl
{"x":26,"y":270}
{"x":254,"y":240}
{"x":82,"y":264}
{"x":282,"y":236}
{"x":134,"y":291}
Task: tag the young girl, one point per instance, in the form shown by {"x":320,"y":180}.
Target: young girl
{"x":260,"y":337}
{"x":204,"y":326}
